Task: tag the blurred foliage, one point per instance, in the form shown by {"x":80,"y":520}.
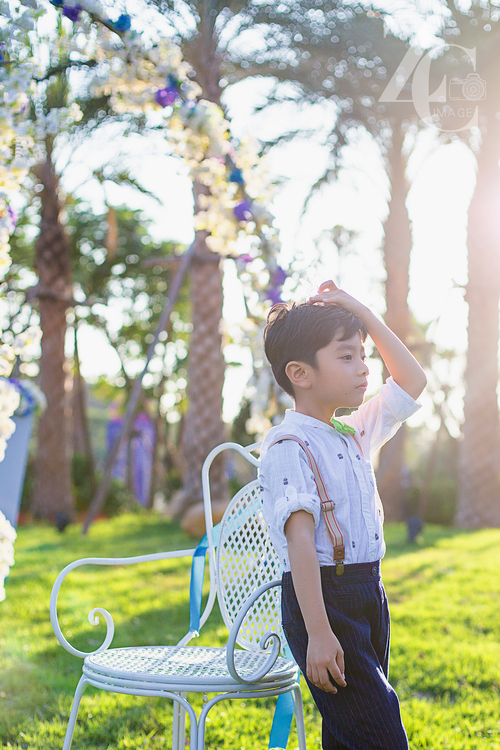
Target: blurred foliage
{"x":121,"y":290}
{"x":118,"y":500}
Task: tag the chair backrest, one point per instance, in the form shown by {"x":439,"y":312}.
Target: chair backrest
{"x":245,"y":560}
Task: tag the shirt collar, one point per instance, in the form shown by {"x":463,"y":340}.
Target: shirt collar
{"x":295,"y":417}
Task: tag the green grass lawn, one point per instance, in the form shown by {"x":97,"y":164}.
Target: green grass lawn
{"x":445,"y":659}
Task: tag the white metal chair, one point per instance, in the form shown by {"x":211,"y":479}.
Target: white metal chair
{"x":245,"y":575}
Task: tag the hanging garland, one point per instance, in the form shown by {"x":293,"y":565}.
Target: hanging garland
{"x":16,"y":143}
{"x":235,"y":211}
{"x":157,"y":79}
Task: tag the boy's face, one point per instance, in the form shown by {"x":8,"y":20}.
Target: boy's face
{"x":340,"y":376}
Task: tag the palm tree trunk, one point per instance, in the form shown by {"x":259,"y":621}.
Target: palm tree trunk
{"x":397,"y":248}
{"x":52,"y":497}
{"x":479,"y":473}
{"x":203,"y":425}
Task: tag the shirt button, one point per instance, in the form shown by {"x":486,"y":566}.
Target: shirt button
{"x":374,"y":570}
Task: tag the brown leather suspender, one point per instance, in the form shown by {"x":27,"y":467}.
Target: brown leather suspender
{"x":327,"y":505}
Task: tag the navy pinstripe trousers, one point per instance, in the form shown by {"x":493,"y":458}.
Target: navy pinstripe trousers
{"x":364,"y":715}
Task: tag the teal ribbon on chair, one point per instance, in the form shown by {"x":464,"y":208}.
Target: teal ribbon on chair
{"x":284,"y":710}
{"x":197,"y":576}
{"x":283,"y":715}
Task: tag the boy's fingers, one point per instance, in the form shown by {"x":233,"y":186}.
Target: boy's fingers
{"x":327,"y":286}
{"x":341,"y":663}
{"x":325,"y":682}
{"x":320,"y":677}
{"x":337,"y":673}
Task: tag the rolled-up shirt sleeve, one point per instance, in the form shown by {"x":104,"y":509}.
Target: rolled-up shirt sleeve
{"x":288,"y":485}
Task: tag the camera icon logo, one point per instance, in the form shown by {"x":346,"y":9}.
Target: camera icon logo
{"x":472,"y":88}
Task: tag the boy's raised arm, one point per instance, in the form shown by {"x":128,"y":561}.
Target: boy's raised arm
{"x":325,"y":656}
{"x":401,"y":364}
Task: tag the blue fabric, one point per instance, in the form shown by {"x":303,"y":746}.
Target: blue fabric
{"x":365,"y":714}
{"x":197,"y":576}
{"x":282,"y":721}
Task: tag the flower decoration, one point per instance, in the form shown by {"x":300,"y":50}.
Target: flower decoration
{"x":30,"y":397}
{"x":123,"y":23}
{"x":141,"y":78}
{"x":274,"y":296}
{"x":72,"y":12}
{"x":166,"y":97}
{"x":236,"y":176}
{"x":7,"y":538}
{"x":278,"y":277}
{"x":243,"y":211}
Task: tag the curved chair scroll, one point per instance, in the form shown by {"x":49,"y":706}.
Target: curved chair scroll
{"x":231,"y":643}
{"x":94,"y":613}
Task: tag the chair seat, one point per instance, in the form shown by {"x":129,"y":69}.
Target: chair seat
{"x":195,"y":668}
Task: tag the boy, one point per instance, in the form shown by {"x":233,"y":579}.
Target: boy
{"x":335,"y":616}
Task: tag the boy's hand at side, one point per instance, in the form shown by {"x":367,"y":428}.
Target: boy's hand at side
{"x":324,"y":653}
{"x":325,"y":657}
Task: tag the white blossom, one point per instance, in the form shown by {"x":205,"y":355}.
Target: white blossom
{"x":7,"y":538}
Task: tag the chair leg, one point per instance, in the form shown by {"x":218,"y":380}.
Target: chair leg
{"x":74,"y":713}
{"x":299,"y":718}
{"x":203,"y":717}
{"x":179,"y":725}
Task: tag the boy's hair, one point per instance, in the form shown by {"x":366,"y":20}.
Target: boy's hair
{"x":296,"y":332}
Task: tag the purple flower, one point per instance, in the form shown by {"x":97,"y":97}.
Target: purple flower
{"x":166,"y":97}
{"x":278,"y":277}
{"x":243,"y":211}
{"x":244,"y":259}
{"x":273,"y":296}
{"x":123,"y":23}
{"x":13,"y":219}
{"x":72,"y":13}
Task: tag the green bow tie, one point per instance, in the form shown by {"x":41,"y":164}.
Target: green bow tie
{"x":342,"y":427}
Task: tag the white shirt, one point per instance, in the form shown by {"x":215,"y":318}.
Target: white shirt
{"x":287,"y":482}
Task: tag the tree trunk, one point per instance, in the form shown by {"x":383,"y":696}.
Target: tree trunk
{"x":479,"y":466}
{"x":52,"y":496}
{"x":203,"y":426}
{"x":397,"y":248}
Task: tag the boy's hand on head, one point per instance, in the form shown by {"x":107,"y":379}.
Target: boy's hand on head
{"x":325,"y":657}
{"x":330,"y":294}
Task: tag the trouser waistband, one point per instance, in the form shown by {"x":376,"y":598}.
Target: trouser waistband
{"x":353,"y":573}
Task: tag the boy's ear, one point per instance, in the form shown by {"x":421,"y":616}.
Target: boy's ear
{"x":298,"y":375}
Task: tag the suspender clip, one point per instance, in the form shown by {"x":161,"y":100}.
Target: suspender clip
{"x":338,"y":557}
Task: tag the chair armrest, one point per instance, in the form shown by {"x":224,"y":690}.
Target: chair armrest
{"x":231,"y":643}
{"x":93,"y":615}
